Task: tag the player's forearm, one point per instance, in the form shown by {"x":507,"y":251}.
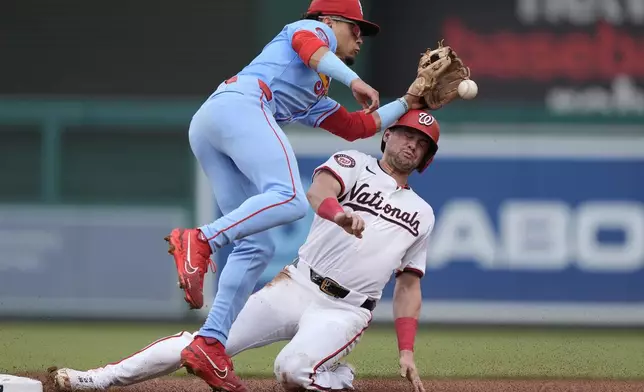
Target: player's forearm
{"x":323,"y":194}
{"x":358,"y":125}
{"x":316,"y":197}
{"x":351,"y":126}
{"x":326,"y":62}
{"x":325,"y":204}
{"x":407,"y":296}
{"x":387,"y":115}
{"x":407,"y":304}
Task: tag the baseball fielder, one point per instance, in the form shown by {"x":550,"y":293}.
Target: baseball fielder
{"x":368,"y":223}
{"x":236,"y":137}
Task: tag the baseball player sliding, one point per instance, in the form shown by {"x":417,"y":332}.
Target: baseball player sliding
{"x":368,"y":223}
{"x":236,"y":137}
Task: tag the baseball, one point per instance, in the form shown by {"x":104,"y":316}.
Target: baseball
{"x":468,"y":89}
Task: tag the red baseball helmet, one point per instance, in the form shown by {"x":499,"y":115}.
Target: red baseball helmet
{"x":348,"y":9}
{"x":422,"y":121}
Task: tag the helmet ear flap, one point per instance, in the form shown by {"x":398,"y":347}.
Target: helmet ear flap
{"x":433,"y":149}
{"x":421,"y":168}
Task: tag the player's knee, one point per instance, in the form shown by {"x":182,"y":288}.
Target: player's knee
{"x":295,"y":205}
{"x":293,"y":370}
{"x":300,"y":205}
{"x":292,"y":200}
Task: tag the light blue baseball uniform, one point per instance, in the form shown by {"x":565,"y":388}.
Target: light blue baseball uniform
{"x":236,"y":137}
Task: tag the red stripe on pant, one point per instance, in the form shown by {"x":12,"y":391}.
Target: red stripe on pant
{"x":290,"y":172}
{"x":149,"y":345}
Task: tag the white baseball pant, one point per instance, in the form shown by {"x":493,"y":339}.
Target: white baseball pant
{"x":321,"y":330}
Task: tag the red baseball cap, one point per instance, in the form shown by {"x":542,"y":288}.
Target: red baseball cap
{"x":348,"y":9}
{"x":422,"y":121}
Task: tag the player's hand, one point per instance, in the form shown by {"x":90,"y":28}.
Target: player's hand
{"x":408,"y":370}
{"x":350,"y":222}
{"x":363,"y":93}
{"x":415,"y":102}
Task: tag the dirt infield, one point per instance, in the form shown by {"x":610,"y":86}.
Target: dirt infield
{"x":193,"y":384}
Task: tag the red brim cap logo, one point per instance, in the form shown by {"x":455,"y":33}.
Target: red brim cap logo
{"x":425,"y":119}
{"x":344,"y":160}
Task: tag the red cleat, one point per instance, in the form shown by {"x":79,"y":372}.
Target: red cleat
{"x":206,"y":358}
{"x":191,"y":253}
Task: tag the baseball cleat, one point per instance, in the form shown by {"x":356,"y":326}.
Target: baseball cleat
{"x":191,"y":253}
{"x":69,"y":380}
{"x":206,"y":358}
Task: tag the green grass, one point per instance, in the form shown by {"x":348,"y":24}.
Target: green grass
{"x":440,"y":352}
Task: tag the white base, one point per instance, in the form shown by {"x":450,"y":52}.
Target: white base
{"x":9,"y":383}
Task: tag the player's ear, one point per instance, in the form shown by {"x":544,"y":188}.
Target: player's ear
{"x":327,"y":21}
{"x":387,"y":135}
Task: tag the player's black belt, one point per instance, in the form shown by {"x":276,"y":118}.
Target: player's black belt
{"x":330,"y":287}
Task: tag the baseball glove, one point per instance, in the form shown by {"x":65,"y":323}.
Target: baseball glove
{"x":439,"y":73}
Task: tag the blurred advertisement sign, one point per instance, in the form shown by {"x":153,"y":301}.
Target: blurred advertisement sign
{"x":528,"y":229}
{"x":574,"y":56}
{"x":103,"y":262}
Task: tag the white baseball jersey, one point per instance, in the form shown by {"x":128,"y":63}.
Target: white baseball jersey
{"x":398,"y":224}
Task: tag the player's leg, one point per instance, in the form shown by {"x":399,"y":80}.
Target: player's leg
{"x":270,"y":315}
{"x":164,"y":355}
{"x":250,"y":255}
{"x":157,"y":359}
{"x":328,"y":331}
{"x":234,"y":139}
{"x":239,"y":276}
{"x":245,"y":131}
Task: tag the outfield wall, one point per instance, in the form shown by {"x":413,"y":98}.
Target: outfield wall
{"x":529,"y":229}
{"x":88,"y":262}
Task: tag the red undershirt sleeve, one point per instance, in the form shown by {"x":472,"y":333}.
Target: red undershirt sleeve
{"x":305,"y":43}
{"x":350,"y":126}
